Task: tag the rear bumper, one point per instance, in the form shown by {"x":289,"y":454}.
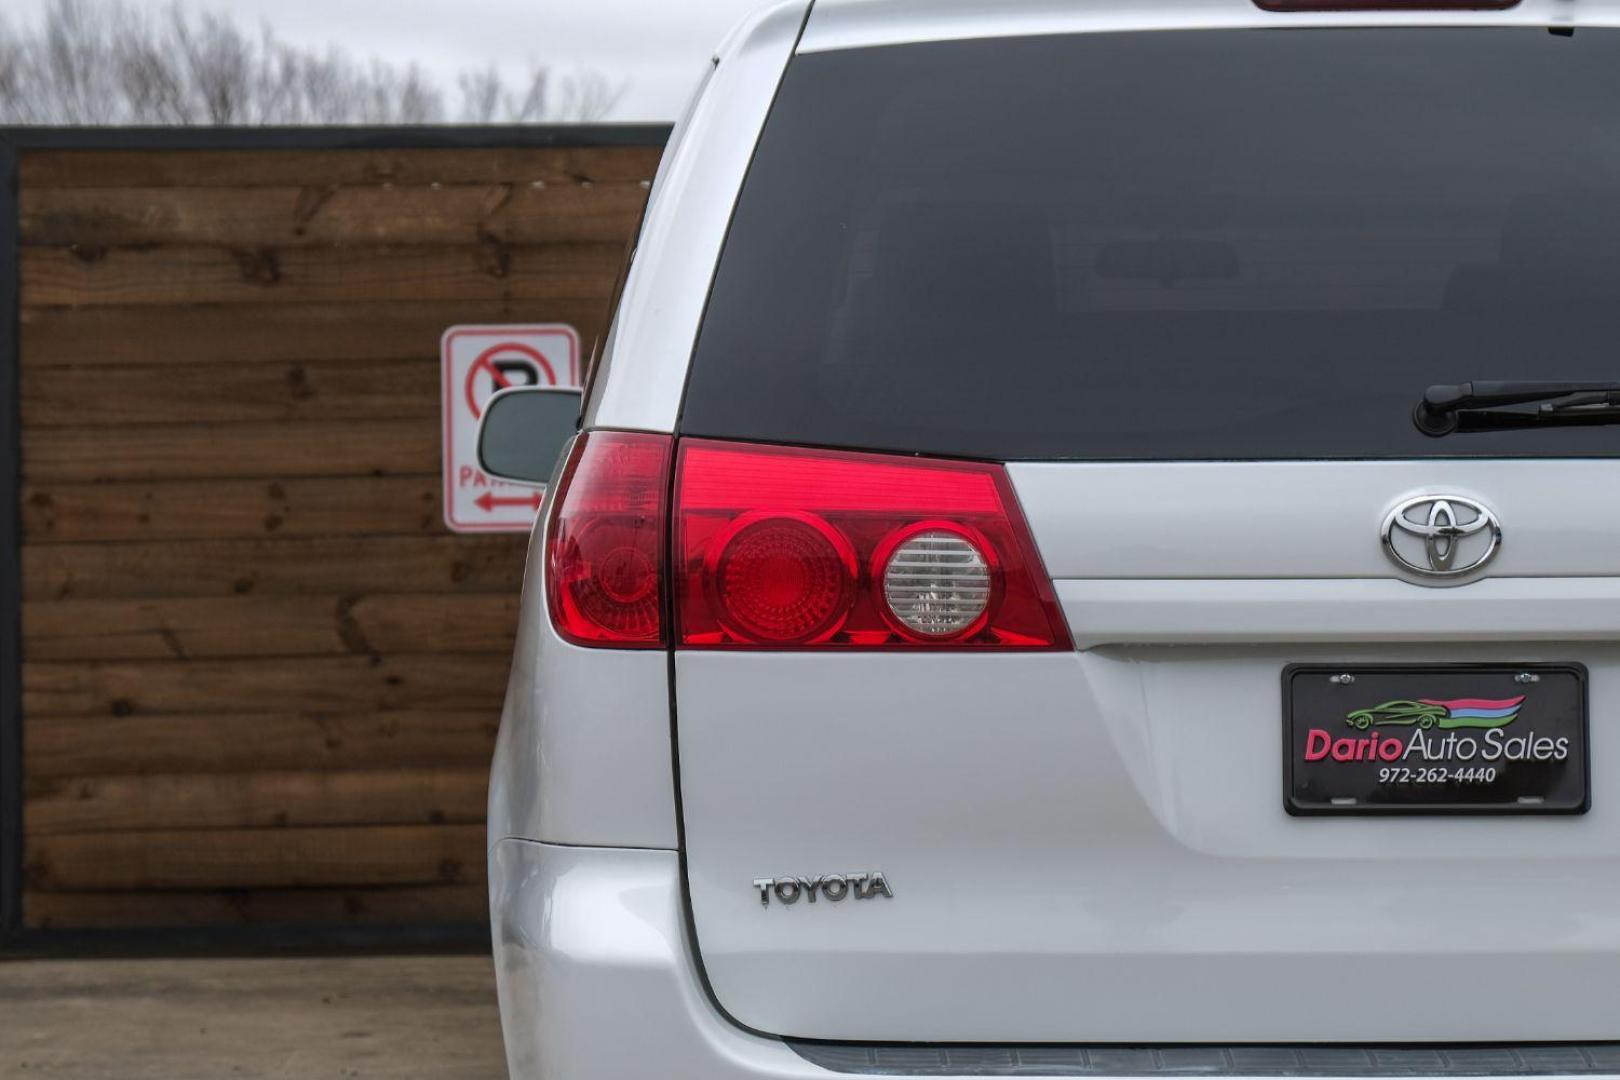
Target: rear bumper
{"x":596,"y":978}
{"x":597,"y":982}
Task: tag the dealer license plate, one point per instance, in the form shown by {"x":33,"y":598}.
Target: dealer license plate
{"x":1488,"y":739}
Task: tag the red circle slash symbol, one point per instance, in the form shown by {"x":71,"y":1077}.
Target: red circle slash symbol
{"x":500,"y":374}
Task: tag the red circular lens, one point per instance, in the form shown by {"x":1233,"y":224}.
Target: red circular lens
{"x":616,"y":585}
{"x":783,"y":579}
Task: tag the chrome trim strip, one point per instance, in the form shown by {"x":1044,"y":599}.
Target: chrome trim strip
{"x":859,"y":1059}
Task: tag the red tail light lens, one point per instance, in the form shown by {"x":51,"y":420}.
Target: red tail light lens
{"x":606,"y":541}
{"x":783,"y":578}
{"x":783,"y":547}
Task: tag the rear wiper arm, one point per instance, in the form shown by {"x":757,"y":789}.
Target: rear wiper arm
{"x":1493,"y":403}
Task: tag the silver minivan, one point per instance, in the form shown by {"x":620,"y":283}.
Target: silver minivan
{"x":1092,"y":548}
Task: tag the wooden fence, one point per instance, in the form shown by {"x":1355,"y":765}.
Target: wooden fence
{"x":260,"y":681}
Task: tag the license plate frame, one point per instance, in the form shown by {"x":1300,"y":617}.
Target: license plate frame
{"x":1461,"y":701}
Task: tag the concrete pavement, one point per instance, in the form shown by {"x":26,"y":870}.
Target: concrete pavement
{"x":427,"y":1017}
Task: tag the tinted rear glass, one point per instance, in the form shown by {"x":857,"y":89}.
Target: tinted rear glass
{"x":1210,"y":244}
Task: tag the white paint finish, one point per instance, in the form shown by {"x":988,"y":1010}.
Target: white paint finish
{"x":1240,"y":612}
{"x":1085,"y":847}
{"x":596,"y":981}
{"x":475,"y":362}
{"x":1093,"y":848}
{"x":583,"y":755}
{"x":1308,"y":519}
{"x":668,"y":285}
{"x":659,"y":193}
{"x":847,"y":24}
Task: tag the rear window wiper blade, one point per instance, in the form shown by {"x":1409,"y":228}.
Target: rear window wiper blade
{"x":1496,"y":405}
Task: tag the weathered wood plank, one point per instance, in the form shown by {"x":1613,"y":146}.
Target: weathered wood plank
{"x":262,"y":683}
{"x":255,"y":800}
{"x":214,"y":627}
{"x":321,"y":168}
{"x":392,"y":906}
{"x":232,"y":509}
{"x":254,"y":333}
{"x":257,"y":858}
{"x":227,"y":392}
{"x":255,"y":626}
{"x":321,"y":566}
{"x":280,"y":216}
{"x":70,"y":746}
{"x":493,"y":270}
{"x":421,"y":623}
{"x":256,"y":450}
{"x":271,"y":684}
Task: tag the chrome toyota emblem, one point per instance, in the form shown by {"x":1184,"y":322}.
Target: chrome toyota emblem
{"x":1441,"y":535}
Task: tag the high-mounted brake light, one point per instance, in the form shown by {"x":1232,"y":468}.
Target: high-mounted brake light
{"x":605,"y":553}
{"x":1386,"y":5}
{"x":779,"y":547}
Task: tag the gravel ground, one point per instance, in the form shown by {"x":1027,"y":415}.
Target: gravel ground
{"x":340,"y":1017}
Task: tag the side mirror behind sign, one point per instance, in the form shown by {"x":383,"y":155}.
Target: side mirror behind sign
{"x":524,"y":430}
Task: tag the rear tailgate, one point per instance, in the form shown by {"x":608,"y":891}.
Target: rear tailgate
{"x":1092,"y":847}
{"x":1199,"y":348}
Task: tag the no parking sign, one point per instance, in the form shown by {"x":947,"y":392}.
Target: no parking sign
{"x":477,"y":361}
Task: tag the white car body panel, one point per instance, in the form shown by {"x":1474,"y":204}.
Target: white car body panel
{"x":974,"y":782}
{"x":597,"y":978}
{"x":1308,"y":519}
{"x":665,"y":292}
{"x":1266,"y":612}
{"x":1192,"y":909}
{"x":854,"y":24}
{"x":583,"y":754}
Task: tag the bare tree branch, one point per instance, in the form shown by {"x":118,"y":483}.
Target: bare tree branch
{"x":586,"y":96}
{"x":104,"y":62}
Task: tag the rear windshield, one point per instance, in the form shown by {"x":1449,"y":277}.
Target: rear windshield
{"x":1171,"y":245}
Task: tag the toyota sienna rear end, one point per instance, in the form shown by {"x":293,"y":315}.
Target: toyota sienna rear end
{"x":1093,"y":549}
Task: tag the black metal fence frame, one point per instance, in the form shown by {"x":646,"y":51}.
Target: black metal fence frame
{"x":14,"y":142}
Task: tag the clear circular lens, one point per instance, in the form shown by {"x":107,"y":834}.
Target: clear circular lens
{"x":937,"y":584}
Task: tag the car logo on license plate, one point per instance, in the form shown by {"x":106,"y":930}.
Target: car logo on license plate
{"x":1446,"y":715}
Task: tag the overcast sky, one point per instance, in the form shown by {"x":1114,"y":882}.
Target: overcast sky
{"x":655,"y":47}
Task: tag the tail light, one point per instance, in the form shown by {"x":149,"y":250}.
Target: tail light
{"x":786,"y":548}
{"x":779,"y":547}
{"x":605,"y":553}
